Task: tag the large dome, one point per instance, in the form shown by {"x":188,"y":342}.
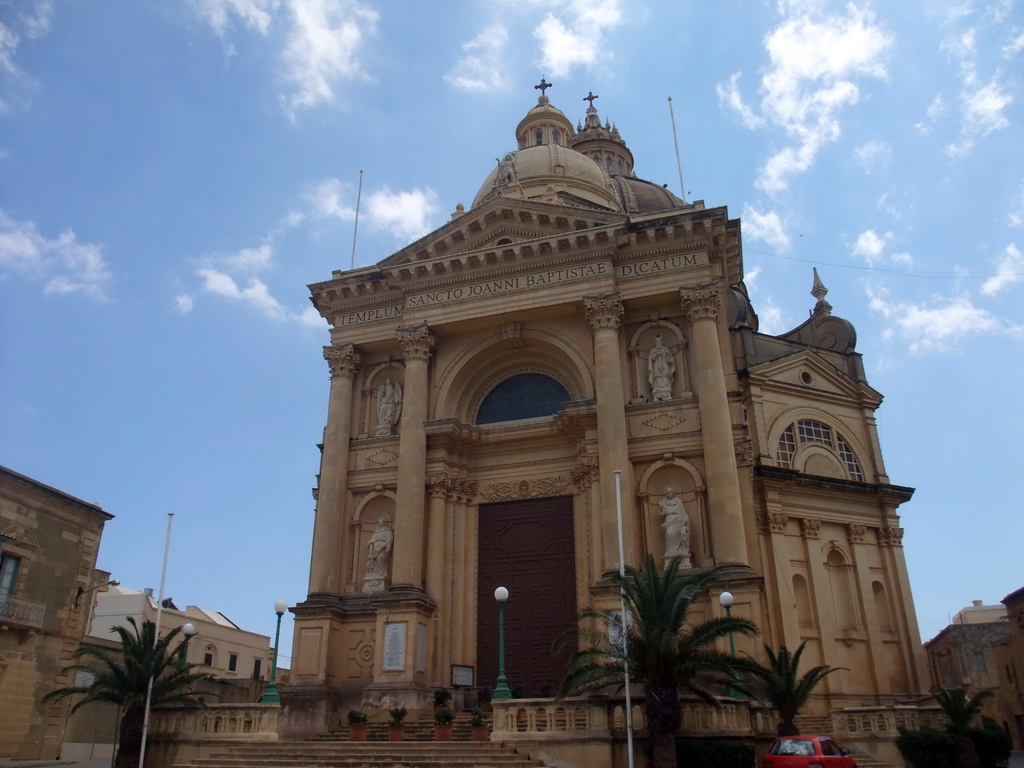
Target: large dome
{"x":550,"y":173}
{"x":589,"y":167}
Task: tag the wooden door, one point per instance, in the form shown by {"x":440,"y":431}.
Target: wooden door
{"x":528,"y":547}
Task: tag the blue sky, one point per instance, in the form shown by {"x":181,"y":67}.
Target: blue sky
{"x":173,"y":173}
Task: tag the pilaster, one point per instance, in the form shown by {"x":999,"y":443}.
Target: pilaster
{"x":604,"y":313}
{"x":325,"y":572}
{"x":407,"y":564}
{"x":702,"y":307}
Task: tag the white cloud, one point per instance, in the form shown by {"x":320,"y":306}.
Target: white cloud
{"x":936,"y":109}
{"x":403,"y":214}
{"x":1009,"y":271}
{"x":37,"y":18}
{"x":872,"y":155}
{"x":870,"y":246}
{"x":251,"y":259}
{"x":255,"y":292}
{"x":982,"y":111}
{"x":573,"y":35}
{"x":770,"y":318}
{"x":326,"y":201}
{"x":729,"y":96}
{"x":184,"y":303}
{"x":62,"y":264}
{"x":1015,"y":216}
{"x":939,"y":326}
{"x":814,"y":60}
{"x":766,"y":226}
{"x":1015,"y":46}
{"x":481,"y":66}
{"x":255,"y":14}
{"x":324,"y":48}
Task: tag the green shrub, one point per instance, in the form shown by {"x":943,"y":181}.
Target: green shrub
{"x":441,"y":697}
{"x":715,"y":753}
{"x":398,"y":715}
{"x":477,"y":715}
{"x":355,"y":717}
{"x":926,"y":748}
{"x":992,"y":743}
{"x":443,"y":716}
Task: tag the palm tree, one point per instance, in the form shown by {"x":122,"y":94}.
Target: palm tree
{"x":121,"y":677}
{"x":665,"y":654}
{"x":777,"y":684}
{"x":961,"y":711}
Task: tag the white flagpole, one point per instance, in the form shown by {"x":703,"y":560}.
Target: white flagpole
{"x":156,"y":639}
{"x":625,"y":626}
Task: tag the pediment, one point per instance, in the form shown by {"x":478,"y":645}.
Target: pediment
{"x":808,"y":371}
{"x":501,"y":220}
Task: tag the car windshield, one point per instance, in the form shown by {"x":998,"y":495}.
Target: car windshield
{"x":792,"y":747}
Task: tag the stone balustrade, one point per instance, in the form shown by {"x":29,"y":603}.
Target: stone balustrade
{"x":606,"y":716}
{"x":885,"y":721}
{"x":249,"y":722}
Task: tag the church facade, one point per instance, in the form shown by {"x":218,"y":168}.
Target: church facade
{"x":576,"y":344}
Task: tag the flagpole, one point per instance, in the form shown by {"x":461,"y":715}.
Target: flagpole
{"x":625,"y":626}
{"x":156,"y":640}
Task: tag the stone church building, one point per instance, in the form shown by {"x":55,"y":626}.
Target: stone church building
{"x":487,"y":382}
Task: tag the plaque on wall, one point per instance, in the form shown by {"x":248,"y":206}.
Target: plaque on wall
{"x":463,"y":676}
{"x":394,"y":647}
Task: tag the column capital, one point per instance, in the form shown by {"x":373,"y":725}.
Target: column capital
{"x":604,"y":311}
{"x":416,"y":340}
{"x":701,"y":303}
{"x":343,"y":360}
{"x":440,"y":485}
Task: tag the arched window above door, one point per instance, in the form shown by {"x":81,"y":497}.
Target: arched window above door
{"x":523,"y":396}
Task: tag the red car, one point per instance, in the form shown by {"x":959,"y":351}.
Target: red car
{"x":807,"y":752}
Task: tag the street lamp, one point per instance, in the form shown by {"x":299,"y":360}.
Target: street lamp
{"x":272,"y":696}
{"x":501,"y":690}
{"x":82,"y":590}
{"x":726,"y":600}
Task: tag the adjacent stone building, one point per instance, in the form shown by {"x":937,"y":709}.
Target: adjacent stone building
{"x":48,"y":577}
{"x":577,"y":330}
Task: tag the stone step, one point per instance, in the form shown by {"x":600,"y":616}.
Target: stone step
{"x":346,"y":754}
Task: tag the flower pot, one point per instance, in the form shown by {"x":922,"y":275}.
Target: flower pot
{"x":442,"y":732}
{"x":480,"y":733}
{"x":357,"y":732}
{"x":396,"y":733}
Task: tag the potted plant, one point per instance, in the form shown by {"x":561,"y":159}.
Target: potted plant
{"x":357,"y":725}
{"x":396,"y":731}
{"x":442,"y":697}
{"x":443,"y":724}
{"x":479,"y":725}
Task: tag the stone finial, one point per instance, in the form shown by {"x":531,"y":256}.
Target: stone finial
{"x":818,"y":291}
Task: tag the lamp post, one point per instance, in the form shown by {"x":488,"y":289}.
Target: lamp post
{"x":272,"y":696}
{"x":726,"y":600}
{"x":501,"y":690}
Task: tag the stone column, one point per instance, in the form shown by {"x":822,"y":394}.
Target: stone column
{"x":701,"y":307}
{"x":604,"y":313}
{"x":325,"y":576}
{"x":407,"y":569}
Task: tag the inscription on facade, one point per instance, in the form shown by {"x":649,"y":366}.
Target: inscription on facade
{"x":518,"y":283}
{"x":367,"y":316}
{"x":654,"y":266}
{"x":394,"y":647}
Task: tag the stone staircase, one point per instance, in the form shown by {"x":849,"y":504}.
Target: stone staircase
{"x":366,"y":754}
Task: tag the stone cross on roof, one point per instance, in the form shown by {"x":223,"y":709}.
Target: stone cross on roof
{"x":590,"y":97}
{"x":544,"y":85}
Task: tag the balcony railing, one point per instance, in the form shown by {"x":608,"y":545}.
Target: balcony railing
{"x":20,"y":612}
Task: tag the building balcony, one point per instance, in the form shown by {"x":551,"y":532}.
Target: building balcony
{"x":20,"y":613}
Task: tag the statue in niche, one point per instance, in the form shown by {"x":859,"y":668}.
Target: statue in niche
{"x":676,"y":524}
{"x":661,"y":370}
{"x":389,"y":406}
{"x":378,"y":555}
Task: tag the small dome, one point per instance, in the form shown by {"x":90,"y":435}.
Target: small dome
{"x":640,"y":196}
